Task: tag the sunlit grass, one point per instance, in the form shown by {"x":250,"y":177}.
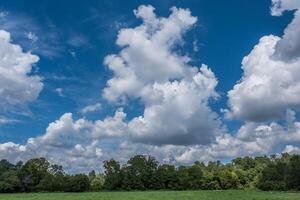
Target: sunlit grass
{"x":157,"y":195}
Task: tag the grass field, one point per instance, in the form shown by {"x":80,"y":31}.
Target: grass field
{"x":161,"y":195}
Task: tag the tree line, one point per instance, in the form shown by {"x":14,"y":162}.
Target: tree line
{"x":145,"y":173}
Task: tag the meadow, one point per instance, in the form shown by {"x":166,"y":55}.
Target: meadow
{"x":157,"y":195}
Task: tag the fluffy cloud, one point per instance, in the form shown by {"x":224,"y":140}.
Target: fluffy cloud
{"x":268,"y":86}
{"x":251,"y":139}
{"x":179,"y":110}
{"x":147,"y":55}
{"x":17,"y":86}
{"x":81,"y":145}
{"x":290,"y":149}
{"x":76,"y":144}
{"x":288,"y":48}
{"x":174,"y":93}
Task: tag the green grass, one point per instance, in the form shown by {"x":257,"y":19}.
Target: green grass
{"x":160,"y":195}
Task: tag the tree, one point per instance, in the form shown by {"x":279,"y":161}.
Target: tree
{"x":113,"y":175}
{"x":5,"y":166}
{"x":281,"y":172}
{"x":9,"y":182}
{"x":167,"y":176}
{"x":140,"y":172}
{"x":77,"y":183}
{"x":245,"y":163}
{"x":97,"y":183}
{"x":48,"y":183}
{"x":228,"y":179}
{"x":92,"y":175}
{"x":33,"y":172}
{"x":183,"y":178}
{"x":294,"y":173}
{"x":274,"y":176}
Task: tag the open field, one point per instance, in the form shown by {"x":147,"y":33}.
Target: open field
{"x":160,"y":195}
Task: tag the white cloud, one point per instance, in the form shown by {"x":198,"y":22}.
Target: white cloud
{"x":290,"y":149}
{"x":179,"y":110}
{"x":80,"y":145}
{"x":91,"y":108}
{"x":73,"y":143}
{"x":268,"y":87}
{"x":251,"y":139}
{"x":288,"y":48}
{"x":111,"y":126}
{"x":270,"y":84}
{"x":17,"y":86}
{"x":147,"y":55}
{"x":175,"y":94}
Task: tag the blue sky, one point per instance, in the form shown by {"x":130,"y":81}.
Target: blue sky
{"x":72,"y":41}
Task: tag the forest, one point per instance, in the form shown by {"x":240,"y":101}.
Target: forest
{"x":144,"y":172}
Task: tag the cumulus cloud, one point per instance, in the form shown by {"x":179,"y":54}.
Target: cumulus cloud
{"x":17,"y":85}
{"x":268,"y":86}
{"x":80,"y":145}
{"x":147,"y":55}
{"x":269,"y":89}
{"x":288,"y":48}
{"x":251,"y":139}
{"x":73,"y":143}
{"x":175,"y":94}
{"x":290,"y":149}
{"x":179,"y":110}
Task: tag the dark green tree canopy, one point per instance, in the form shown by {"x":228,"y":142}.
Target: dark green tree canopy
{"x":143,"y":172}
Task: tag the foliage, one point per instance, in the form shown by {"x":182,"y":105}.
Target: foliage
{"x":145,"y":173}
{"x":97,"y":183}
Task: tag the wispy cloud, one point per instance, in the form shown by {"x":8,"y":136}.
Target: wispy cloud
{"x":5,"y":120}
{"x":78,"y":40}
{"x":31,"y":34}
{"x":60,"y":92}
{"x":91,"y":108}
